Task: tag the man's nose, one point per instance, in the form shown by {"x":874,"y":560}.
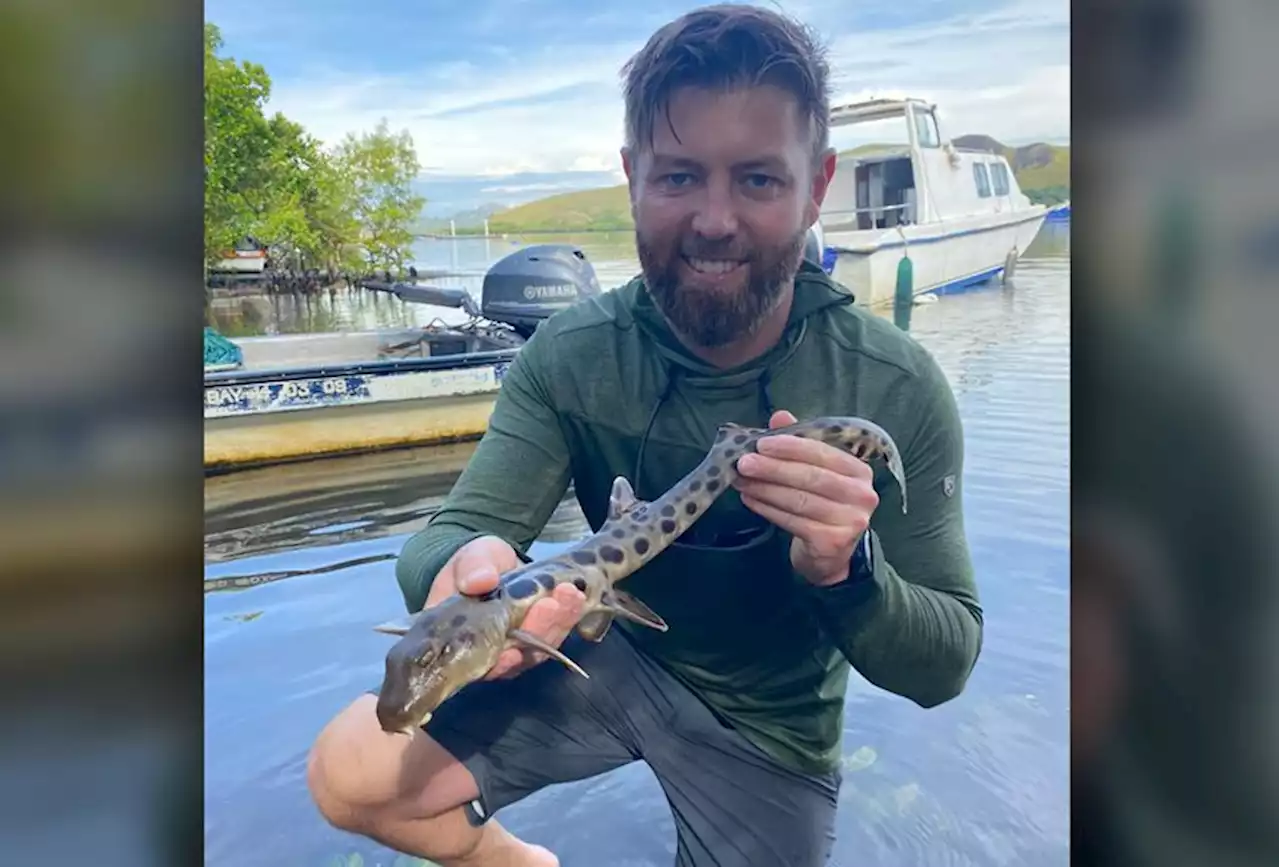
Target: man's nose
{"x":716,"y":215}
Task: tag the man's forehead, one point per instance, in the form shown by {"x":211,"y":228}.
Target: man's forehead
{"x":750,"y":123}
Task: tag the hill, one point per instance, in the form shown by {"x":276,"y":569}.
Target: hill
{"x":1043,"y":171}
{"x":472,"y":219}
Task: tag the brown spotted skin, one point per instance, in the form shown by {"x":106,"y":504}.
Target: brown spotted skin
{"x":456,"y":642}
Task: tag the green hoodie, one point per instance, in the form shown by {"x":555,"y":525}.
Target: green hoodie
{"x":606,"y":389}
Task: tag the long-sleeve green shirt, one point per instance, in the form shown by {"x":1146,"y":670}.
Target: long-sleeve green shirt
{"x":605,"y":389}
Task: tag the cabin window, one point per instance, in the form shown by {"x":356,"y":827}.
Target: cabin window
{"x":1000,"y":179}
{"x":926,"y":128}
{"x":981,"y":180}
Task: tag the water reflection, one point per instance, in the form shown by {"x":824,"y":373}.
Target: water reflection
{"x":250,"y":313}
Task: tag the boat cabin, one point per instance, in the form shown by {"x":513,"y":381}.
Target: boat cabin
{"x":923,"y":179}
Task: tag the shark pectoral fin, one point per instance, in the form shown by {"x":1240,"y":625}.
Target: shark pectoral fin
{"x":396,"y":627}
{"x":521,"y":637}
{"x":620,"y":603}
{"x":594,"y":626}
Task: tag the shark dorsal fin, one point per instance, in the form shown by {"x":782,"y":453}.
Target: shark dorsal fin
{"x":622,"y":498}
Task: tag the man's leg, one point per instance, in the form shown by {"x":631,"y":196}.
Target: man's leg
{"x":734,"y":805}
{"x":489,"y":746}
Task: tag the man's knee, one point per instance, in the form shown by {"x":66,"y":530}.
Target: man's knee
{"x":353,"y":767}
{"x":356,"y":772}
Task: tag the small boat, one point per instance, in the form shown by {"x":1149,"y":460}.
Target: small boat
{"x":288,"y":397}
{"x":1059,"y":213}
{"x":955,"y":217}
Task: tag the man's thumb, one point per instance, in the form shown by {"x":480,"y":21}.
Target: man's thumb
{"x":781,"y":418}
{"x":476,"y":571}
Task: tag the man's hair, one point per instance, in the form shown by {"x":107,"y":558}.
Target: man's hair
{"x":723,"y":47}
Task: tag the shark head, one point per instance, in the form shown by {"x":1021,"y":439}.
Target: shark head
{"x":442,"y":649}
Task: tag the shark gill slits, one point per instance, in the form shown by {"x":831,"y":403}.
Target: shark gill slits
{"x":668,"y":526}
{"x":580,"y":583}
{"x":584,"y":558}
{"x":641,"y":545}
{"x":612,"y":554}
{"x":690,"y":507}
{"x":669,"y":511}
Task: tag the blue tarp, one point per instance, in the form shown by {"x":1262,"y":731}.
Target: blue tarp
{"x":220,"y":350}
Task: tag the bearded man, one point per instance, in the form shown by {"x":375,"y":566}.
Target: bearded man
{"x":808,"y":568}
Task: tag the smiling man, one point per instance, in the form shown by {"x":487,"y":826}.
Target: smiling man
{"x":807,"y":569}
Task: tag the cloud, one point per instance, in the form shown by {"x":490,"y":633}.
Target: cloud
{"x":557,"y":107}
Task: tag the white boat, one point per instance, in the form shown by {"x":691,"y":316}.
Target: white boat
{"x":957,"y":216}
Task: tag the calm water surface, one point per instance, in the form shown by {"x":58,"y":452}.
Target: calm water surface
{"x":300,"y":567}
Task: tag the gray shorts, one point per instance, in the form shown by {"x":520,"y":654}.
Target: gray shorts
{"x":734,"y":806}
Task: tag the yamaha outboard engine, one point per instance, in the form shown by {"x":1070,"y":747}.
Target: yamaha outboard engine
{"x":529,"y":285}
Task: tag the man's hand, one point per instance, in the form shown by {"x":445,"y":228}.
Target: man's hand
{"x":819,"y":494}
{"x":474,"y":570}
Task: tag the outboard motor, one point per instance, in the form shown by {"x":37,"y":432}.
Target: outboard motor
{"x":531,"y":284}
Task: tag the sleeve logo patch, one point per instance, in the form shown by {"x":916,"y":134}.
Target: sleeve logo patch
{"x":949,"y":485}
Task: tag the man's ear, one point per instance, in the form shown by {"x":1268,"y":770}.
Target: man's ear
{"x":629,"y":169}
{"x":824,"y":171}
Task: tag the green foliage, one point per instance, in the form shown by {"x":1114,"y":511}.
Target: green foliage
{"x":1049,"y":195}
{"x":380,"y":168}
{"x":267,"y":178}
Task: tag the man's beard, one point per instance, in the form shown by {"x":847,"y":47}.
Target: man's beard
{"x":709,"y":317}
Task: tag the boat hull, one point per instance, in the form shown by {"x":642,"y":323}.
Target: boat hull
{"x":264,"y":417}
{"x":945,"y":257}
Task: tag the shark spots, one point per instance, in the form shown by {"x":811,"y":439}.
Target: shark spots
{"x":522,"y":588}
{"x":612,"y":554}
{"x":583,"y":557}
{"x":641,"y":545}
{"x":668,"y":526}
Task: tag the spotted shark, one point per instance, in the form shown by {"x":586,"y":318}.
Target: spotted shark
{"x":443,"y":648}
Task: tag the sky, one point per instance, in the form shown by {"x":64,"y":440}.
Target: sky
{"x":513,"y":100}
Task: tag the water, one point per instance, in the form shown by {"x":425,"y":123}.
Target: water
{"x":982,"y":780}
{"x":612,"y":255}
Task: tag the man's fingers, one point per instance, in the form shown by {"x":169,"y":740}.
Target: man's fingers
{"x":551,"y":619}
{"x":801,"y":450}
